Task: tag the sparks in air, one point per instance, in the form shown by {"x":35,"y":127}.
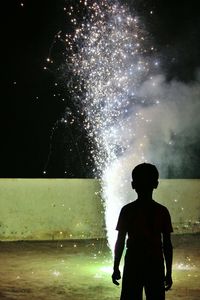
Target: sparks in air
{"x":106,"y":61}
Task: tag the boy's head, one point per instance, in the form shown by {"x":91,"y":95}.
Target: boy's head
{"x":145,"y":176}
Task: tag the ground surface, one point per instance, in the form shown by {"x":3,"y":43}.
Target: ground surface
{"x":81,"y":270}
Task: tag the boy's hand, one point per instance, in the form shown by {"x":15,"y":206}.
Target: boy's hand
{"x":168,"y":282}
{"x":116,"y":276}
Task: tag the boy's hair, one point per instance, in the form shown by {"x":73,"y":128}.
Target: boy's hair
{"x":145,"y":174}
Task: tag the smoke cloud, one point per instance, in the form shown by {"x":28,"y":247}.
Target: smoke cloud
{"x":172,"y":126}
{"x":163,"y":128}
{"x":164,"y":131}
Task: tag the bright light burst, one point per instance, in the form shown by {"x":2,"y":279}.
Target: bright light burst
{"x":106,"y":62}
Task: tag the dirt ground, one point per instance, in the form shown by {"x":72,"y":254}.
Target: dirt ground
{"x":81,"y":270}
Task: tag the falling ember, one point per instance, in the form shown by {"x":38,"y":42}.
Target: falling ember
{"x":107,"y":58}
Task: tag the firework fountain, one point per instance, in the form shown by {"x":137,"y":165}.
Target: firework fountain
{"x":107,"y":61}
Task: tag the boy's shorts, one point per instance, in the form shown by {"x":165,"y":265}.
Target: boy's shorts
{"x":141,"y":273}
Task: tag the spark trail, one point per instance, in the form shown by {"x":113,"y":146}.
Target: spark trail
{"x":107,"y":60}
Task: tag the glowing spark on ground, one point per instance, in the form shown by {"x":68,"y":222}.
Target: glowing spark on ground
{"x":56,"y":273}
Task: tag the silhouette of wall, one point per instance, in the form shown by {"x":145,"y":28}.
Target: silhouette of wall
{"x":46,"y":209}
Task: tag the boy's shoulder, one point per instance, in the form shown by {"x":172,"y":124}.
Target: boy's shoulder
{"x":137,"y":203}
{"x":160,"y":206}
{"x":128,"y":205}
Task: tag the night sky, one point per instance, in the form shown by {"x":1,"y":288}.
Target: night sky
{"x":33,"y":100}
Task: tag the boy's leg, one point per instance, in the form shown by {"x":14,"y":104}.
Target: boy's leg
{"x":132,"y":281}
{"x":155,"y":292}
{"x":154,"y":282}
{"x":131,"y":290}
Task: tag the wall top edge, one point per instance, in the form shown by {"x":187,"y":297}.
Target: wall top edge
{"x":38,"y":178}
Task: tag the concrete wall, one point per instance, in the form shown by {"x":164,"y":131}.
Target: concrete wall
{"x":46,"y":209}
{"x":182,"y":198}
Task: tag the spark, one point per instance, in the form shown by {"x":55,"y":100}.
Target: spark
{"x":56,"y":273}
{"x":106,"y":62}
{"x":185,"y":266}
{"x":106,"y":57}
{"x":107,"y":269}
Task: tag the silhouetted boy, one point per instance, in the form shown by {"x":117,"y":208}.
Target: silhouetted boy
{"x":148,"y":225}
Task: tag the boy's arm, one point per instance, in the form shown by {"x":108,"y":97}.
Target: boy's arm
{"x":119,"y":247}
{"x":168,"y":254}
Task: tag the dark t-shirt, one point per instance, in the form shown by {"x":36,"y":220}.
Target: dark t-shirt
{"x":145,"y":223}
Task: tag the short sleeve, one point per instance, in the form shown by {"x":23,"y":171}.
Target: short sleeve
{"x":122,"y":224}
{"x":166,"y":222}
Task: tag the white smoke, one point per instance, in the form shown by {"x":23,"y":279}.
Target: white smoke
{"x":171,"y":122}
{"x":174,"y":124}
